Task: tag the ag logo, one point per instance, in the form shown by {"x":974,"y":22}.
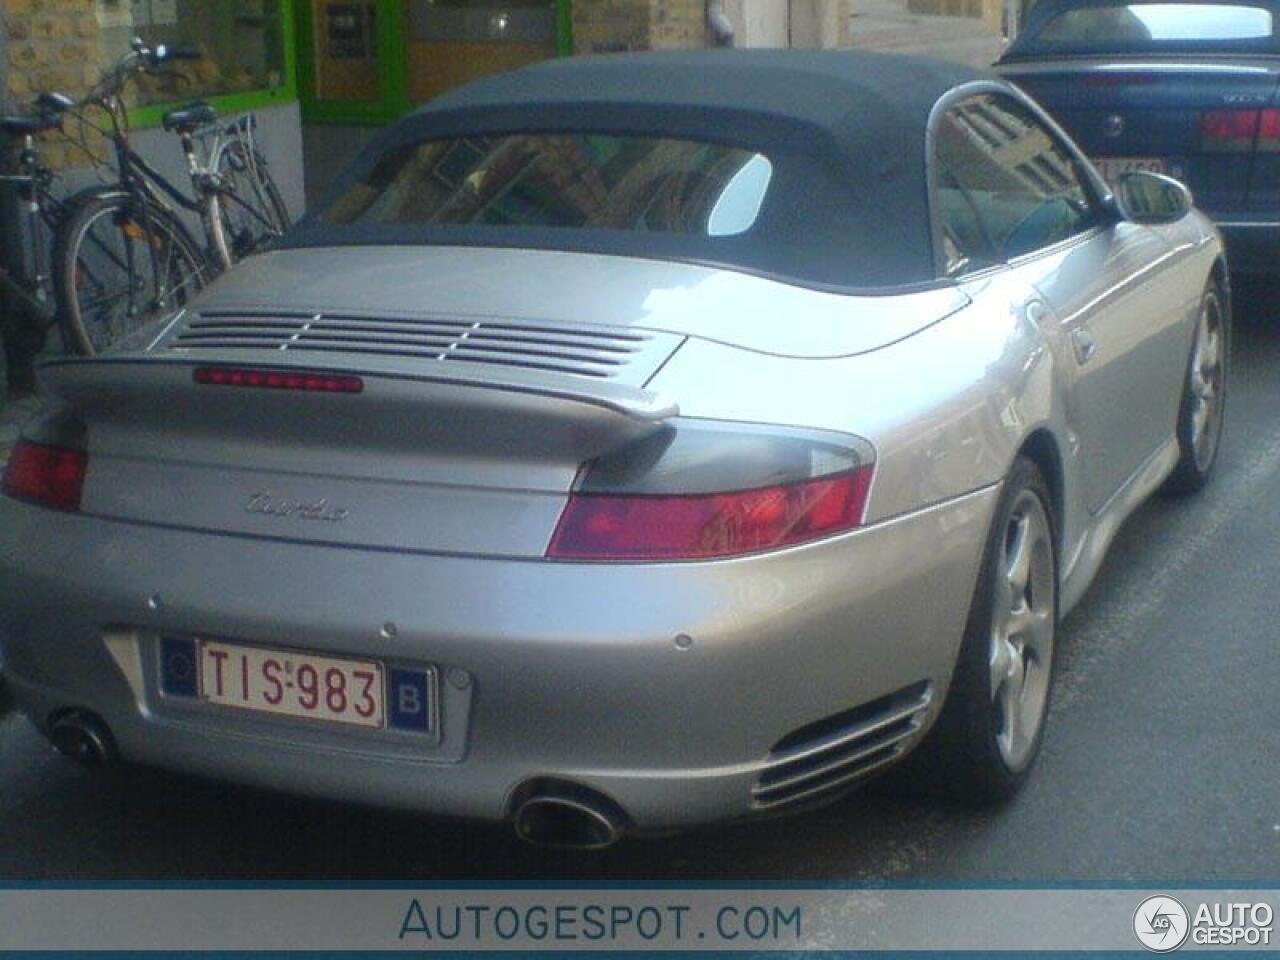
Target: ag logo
{"x":1161,"y":924}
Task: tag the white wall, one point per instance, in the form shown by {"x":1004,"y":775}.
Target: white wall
{"x":810,"y":24}
{"x":758,"y":23}
{"x":815,"y":23}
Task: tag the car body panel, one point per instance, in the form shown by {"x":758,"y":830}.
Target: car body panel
{"x":561,"y":661}
{"x":1159,"y":102}
{"x":412,"y":522}
{"x":611,"y":291}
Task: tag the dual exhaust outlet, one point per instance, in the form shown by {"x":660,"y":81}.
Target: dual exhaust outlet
{"x":567,"y":816}
{"x":546,"y":812}
{"x":83,"y":737}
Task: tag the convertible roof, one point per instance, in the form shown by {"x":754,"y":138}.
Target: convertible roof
{"x":828,"y":89}
{"x":860,"y":117}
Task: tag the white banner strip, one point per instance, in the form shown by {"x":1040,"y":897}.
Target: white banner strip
{"x":528,"y":920}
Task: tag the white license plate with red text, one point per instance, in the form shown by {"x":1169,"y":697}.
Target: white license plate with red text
{"x":292,"y":684}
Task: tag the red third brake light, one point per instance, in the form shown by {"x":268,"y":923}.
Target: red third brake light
{"x":312,"y":382}
{"x":47,"y":475}
{"x":702,"y":526}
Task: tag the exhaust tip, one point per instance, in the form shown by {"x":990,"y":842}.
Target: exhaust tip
{"x":83,"y":737}
{"x":567,"y":816}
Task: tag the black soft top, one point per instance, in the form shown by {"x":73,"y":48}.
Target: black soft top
{"x":846,"y":132}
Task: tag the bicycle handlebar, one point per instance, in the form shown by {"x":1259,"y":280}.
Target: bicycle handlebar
{"x":163,"y":53}
{"x":140,"y":59}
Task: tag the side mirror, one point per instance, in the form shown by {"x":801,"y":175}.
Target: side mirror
{"x":1152,"y":198}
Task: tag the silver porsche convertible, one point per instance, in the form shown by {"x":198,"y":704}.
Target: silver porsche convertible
{"x":626,"y":443}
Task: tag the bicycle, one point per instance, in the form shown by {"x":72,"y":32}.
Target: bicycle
{"x":127,"y":235}
{"x":244,"y":210}
{"x":29,"y":296}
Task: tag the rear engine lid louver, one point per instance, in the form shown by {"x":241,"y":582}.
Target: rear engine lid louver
{"x":600,"y":353}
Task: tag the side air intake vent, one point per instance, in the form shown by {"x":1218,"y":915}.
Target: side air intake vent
{"x":842,"y":749}
{"x":598,"y":352}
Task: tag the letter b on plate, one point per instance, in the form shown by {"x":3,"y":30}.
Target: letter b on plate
{"x":409,"y":704}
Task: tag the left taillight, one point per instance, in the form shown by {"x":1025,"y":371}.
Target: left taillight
{"x":48,"y":475}
{"x":700,"y":491}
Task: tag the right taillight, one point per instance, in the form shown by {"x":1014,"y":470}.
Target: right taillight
{"x":1238,"y":131}
{"x":705,"y":526}
{"x":699,"y":490}
{"x":50,"y":476}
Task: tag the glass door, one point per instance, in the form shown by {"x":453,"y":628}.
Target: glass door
{"x":454,"y":41}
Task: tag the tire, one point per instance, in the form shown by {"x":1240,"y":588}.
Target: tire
{"x":107,"y":282}
{"x":1202,"y":408}
{"x":248,"y":213}
{"x":989,"y":733}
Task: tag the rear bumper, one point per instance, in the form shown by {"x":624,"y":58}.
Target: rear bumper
{"x":1253,"y":246}
{"x":548,"y":669}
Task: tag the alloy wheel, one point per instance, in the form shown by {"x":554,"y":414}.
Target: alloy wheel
{"x":1022,"y":630}
{"x":1206,"y":382}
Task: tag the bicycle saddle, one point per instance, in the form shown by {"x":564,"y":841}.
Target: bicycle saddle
{"x":18,"y":126}
{"x":190,"y":117}
{"x":54,"y":103}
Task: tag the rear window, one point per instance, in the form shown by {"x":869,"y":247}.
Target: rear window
{"x":1154,"y":28}
{"x":590,"y":181}
{"x":782,"y":201}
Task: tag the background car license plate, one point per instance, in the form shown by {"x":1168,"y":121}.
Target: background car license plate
{"x":293,"y":684}
{"x":1112,"y":167}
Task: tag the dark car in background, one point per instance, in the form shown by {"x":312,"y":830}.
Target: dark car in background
{"x":1187,"y":89}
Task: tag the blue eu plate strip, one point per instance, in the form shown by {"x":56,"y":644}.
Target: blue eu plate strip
{"x":178,"y":670}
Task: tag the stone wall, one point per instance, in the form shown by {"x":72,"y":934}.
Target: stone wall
{"x":51,"y":45}
{"x":605,"y":26}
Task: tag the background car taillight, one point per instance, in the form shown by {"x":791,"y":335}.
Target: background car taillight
{"x":1237,"y":131}
{"x":51,"y":476}
{"x":698,"y":491}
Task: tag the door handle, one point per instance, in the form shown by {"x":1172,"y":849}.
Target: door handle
{"x":1083,"y":344}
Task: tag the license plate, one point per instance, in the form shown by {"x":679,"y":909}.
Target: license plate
{"x":1112,"y":167}
{"x":292,"y":684}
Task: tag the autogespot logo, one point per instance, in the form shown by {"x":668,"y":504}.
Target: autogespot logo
{"x":1161,"y":924}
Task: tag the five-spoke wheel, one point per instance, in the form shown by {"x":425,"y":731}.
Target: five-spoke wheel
{"x":1204,"y":395}
{"x":993,"y":720}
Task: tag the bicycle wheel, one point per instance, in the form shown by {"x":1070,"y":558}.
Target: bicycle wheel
{"x":119,"y":262}
{"x":247,"y":213}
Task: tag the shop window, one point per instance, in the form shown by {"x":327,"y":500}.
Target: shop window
{"x":370,"y":61}
{"x":242,"y":42}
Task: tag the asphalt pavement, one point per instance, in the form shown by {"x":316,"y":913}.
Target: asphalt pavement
{"x":1159,"y":766}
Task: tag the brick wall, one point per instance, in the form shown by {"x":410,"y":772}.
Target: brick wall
{"x":51,"y":45}
{"x":601,"y":26}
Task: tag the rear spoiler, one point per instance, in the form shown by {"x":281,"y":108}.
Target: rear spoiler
{"x":76,"y":378}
